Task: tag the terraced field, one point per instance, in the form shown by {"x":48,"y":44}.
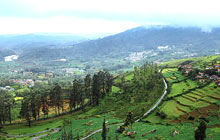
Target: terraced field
{"x":181,"y":87}
{"x":187,"y":98}
{"x":172,"y":75}
{"x":192,"y":103}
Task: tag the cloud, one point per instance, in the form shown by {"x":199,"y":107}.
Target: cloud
{"x":142,"y":7}
{"x":63,"y":24}
{"x":94,"y":16}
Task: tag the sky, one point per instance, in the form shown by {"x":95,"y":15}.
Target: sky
{"x":103,"y":16}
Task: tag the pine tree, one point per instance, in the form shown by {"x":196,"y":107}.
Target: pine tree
{"x":26,"y":110}
{"x":33,"y":105}
{"x":57,"y":98}
{"x":109,"y":82}
{"x":45,"y":103}
{"x":73,"y":95}
{"x":200,"y":133}
{"x":129,"y":119}
{"x":116,"y":137}
{"x":95,"y":90}
{"x":104,"y":130}
{"x":87,"y":85}
{"x":70,"y":135}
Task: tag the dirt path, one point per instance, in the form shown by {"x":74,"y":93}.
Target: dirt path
{"x":55,"y":130}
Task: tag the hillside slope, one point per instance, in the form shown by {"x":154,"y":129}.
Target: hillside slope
{"x":167,"y":42}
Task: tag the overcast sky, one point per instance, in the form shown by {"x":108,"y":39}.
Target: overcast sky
{"x":103,"y":16}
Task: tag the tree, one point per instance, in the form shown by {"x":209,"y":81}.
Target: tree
{"x":9,"y":102}
{"x":56,"y":97}
{"x":109,"y":81}
{"x":200,"y":133}
{"x":26,"y":110}
{"x":73,"y":95}
{"x":95,"y":89}
{"x":116,"y":137}
{"x":104,"y":130}
{"x":87,"y":84}
{"x":67,"y":135}
{"x":129,"y":119}
{"x":45,"y":102}
{"x":6,"y":104}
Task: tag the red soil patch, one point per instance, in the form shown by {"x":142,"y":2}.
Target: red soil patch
{"x":209,"y":108}
{"x":174,"y":121}
{"x":184,"y":118}
{"x":194,"y":114}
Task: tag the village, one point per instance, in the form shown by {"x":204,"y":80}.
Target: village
{"x":202,"y":75}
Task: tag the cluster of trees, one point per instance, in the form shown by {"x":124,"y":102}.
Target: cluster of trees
{"x":6,"y":104}
{"x":37,"y":101}
{"x":93,"y":88}
{"x":146,"y":79}
{"x":41,"y":98}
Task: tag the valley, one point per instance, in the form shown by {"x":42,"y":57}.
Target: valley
{"x":191,"y":96}
{"x":165,"y":82}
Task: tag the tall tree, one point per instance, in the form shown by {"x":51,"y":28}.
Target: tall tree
{"x":87,"y":85}
{"x":45,"y":102}
{"x":6,"y":104}
{"x":104,"y":130}
{"x":129,"y":119}
{"x":102,"y":82}
{"x":56,"y":97}
{"x":109,"y":81}
{"x":26,"y":110}
{"x":95,"y":89}
{"x":73,"y":95}
{"x":200,"y":133}
{"x":33,"y":105}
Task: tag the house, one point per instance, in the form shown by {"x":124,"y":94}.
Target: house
{"x":198,"y":77}
{"x":206,"y":75}
{"x":218,"y":83}
{"x":49,"y":74}
{"x":214,"y":77}
{"x":28,"y":73}
{"x":8,"y":88}
{"x":209,"y":68}
{"x":188,"y":70}
{"x":187,"y":66}
{"x":2,"y":88}
{"x":217,"y":66}
{"x":201,"y":80}
{"x":201,"y":74}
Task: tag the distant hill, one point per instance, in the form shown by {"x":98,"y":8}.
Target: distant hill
{"x":29,"y":41}
{"x":142,"y":38}
{"x":188,"y":40}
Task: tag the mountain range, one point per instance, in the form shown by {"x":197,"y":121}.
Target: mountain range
{"x":191,"y":39}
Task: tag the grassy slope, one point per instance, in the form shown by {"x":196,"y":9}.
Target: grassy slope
{"x":112,"y":103}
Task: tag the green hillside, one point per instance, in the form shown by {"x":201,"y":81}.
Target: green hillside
{"x":193,"y":95}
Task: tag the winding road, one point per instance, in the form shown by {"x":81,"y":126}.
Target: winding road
{"x":55,"y":130}
{"x":145,"y":114}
